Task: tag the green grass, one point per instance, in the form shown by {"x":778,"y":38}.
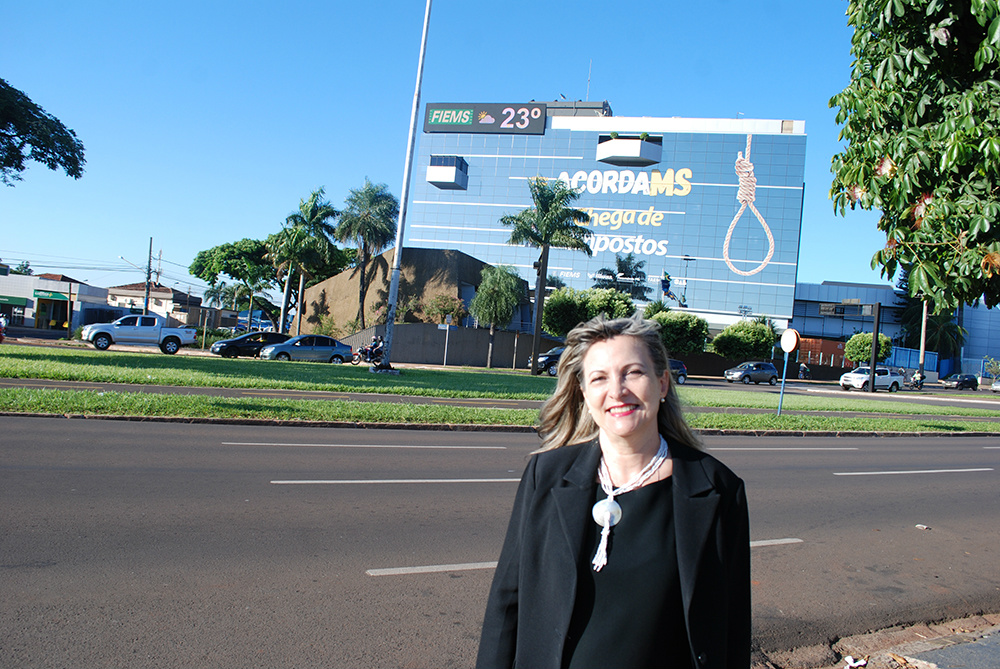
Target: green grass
{"x":68,"y":364}
{"x":129,"y":367}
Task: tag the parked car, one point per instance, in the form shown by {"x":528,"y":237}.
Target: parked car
{"x":247,"y":345}
{"x":753,"y":371}
{"x":996,"y":386}
{"x":548,"y":362}
{"x":679,"y":371}
{"x":960,"y":382}
{"x":884,"y":378}
{"x":315,"y":348}
{"x":135,"y":330}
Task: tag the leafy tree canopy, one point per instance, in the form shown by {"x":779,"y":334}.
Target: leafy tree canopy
{"x":442,"y":305}
{"x":565,"y":308}
{"x":27,"y":132}
{"x":921,"y":122}
{"x":682,"y":333}
{"x":245,"y":260}
{"x":498,"y":296}
{"x":745,"y":339}
{"x":859,"y":347}
{"x":612,"y":303}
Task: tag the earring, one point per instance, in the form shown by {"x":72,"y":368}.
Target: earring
{"x":662,"y":400}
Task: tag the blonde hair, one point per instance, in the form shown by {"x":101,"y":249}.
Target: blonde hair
{"x":564,"y":418}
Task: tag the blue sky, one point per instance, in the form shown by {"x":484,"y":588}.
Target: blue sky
{"x":206,"y":122}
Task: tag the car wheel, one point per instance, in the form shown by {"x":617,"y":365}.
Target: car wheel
{"x":552,"y":370}
{"x":231,"y":352}
{"x":283,"y":356}
{"x":846,"y":388}
{"x":681,"y":379}
{"x":773,"y":380}
{"x":894,"y":387}
{"x":864,"y":387}
{"x":746,"y":380}
{"x":102,"y":342}
{"x":337,"y":360}
{"x":170,"y":345}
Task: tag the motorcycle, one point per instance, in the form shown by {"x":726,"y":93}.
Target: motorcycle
{"x":369,"y":354}
{"x":916,"y":382}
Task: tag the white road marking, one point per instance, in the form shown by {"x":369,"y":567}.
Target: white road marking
{"x":790,"y":448}
{"x":406,"y":446}
{"x":916,"y":471}
{"x":988,"y":448}
{"x":360,"y":481}
{"x":774,"y":542}
{"x":469,"y":566}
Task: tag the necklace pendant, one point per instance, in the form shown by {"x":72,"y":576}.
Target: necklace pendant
{"x":607,"y":512}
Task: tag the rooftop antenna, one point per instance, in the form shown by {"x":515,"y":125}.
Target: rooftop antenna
{"x":591,"y":67}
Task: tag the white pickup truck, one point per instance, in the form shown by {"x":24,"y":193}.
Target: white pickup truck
{"x":139,"y":330}
{"x":884,"y":378}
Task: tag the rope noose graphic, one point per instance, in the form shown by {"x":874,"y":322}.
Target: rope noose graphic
{"x":746,"y":195}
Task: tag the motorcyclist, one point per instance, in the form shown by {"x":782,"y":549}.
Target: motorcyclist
{"x":378,"y":344}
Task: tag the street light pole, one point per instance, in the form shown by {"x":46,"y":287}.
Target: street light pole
{"x":404,"y":199}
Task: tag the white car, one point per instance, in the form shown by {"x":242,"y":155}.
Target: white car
{"x":884,"y":378}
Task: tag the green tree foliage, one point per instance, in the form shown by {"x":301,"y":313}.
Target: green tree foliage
{"x":440,"y":306}
{"x":550,"y":222}
{"x":369,"y":222}
{"x":23,"y":268}
{"x":655,"y":307}
{"x":27,"y":132}
{"x":859,"y":347}
{"x":682,"y":333}
{"x":304,"y":241}
{"x":565,"y":308}
{"x":612,"y":303}
{"x":921,"y":120}
{"x":744,"y":340}
{"x":497,"y":298}
{"x":245,"y":261}
{"x":626,"y":277}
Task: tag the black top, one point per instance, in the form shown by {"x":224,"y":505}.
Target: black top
{"x":630,"y":613}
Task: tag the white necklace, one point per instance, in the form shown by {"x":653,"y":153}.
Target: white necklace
{"x":608,"y":512}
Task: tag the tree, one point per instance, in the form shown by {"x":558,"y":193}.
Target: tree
{"x":626,"y":277}
{"x":245,"y":261}
{"x":305,"y":238}
{"x":220,"y":294}
{"x":565,"y":308}
{"x":550,"y":222}
{"x":26,"y":126}
{"x":496,"y":300}
{"x":612,"y":303}
{"x":745,"y":339}
{"x":921,"y":121}
{"x":682,"y":333}
{"x":859,"y":347}
{"x":369,"y":221}
{"x":23,"y":268}
{"x":655,"y":307}
{"x":440,"y":306}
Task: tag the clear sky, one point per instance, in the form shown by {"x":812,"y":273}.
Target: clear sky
{"x":207,"y":121}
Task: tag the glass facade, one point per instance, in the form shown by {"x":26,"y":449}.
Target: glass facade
{"x":719,"y":212}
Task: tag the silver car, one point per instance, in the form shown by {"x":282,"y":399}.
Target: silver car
{"x":753,"y":372}
{"x":315,"y":348}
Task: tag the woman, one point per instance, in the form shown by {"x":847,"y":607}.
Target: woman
{"x":627,"y":546}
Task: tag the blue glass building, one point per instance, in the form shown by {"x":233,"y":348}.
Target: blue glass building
{"x":716,"y":204}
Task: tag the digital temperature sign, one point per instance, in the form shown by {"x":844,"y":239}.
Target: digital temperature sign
{"x":490,"y":118}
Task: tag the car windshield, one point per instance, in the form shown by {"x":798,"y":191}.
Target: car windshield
{"x":862,"y":370}
{"x":746,"y":365}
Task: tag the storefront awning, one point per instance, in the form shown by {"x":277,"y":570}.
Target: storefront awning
{"x":50,"y":295}
{"x":16,"y":301}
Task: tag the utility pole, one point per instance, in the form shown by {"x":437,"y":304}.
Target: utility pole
{"x":149,"y":273}
{"x":876,"y":309}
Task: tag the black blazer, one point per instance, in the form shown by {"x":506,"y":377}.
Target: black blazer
{"x":534,"y":587}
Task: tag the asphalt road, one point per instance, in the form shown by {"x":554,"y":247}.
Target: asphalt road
{"x":174,"y":545}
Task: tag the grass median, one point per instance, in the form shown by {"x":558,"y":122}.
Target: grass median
{"x":139,"y":368}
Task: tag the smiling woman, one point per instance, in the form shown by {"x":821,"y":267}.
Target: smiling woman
{"x":627,"y":545}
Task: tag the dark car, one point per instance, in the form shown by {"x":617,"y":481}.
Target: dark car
{"x":960,"y":381}
{"x":679,"y":371}
{"x":548,"y":362}
{"x":247,"y":345}
{"x":753,"y":371}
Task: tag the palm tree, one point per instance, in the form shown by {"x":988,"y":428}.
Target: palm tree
{"x":627,"y":277}
{"x":311,"y":222}
{"x":550,"y":222}
{"x":218,"y":295}
{"x":369,"y":222}
{"x":496,"y":300}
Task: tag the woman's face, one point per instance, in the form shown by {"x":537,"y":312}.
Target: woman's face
{"x":621,"y":389}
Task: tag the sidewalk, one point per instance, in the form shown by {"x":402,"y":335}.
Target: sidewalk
{"x":970,"y":643}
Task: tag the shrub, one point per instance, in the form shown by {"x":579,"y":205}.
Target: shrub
{"x":746,"y":339}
